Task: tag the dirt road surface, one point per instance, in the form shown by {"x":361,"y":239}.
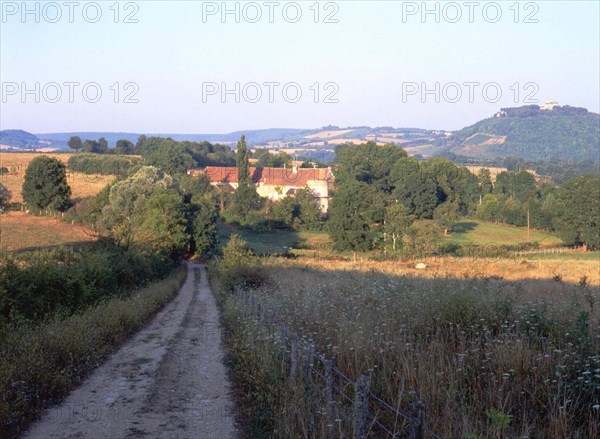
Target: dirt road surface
{"x":168,"y":381}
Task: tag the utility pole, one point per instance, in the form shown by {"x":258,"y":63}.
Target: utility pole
{"x":528,"y":228}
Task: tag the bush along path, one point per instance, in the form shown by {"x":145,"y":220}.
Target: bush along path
{"x":168,"y":381}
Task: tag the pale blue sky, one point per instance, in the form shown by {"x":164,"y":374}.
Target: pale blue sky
{"x":369,"y":54}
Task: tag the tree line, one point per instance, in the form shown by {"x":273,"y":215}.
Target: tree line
{"x":384,"y":198}
{"x":170,"y":155}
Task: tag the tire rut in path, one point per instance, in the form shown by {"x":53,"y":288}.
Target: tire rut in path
{"x":168,"y":381}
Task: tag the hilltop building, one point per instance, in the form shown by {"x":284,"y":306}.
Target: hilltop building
{"x":549,"y":105}
{"x":276,"y":183}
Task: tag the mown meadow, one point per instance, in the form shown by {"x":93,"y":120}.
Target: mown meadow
{"x":488,"y":357}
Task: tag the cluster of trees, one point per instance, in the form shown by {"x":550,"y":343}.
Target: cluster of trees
{"x":381,"y":194}
{"x":100,"y":146}
{"x":572,"y":210}
{"x":384,"y":198}
{"x":176,"y":158}
{"x":151,"y":210}
{"x":173,"y":157}
{"x":516,"y":199}
{"x":558,"y":170}
{"x":118,"y":165}
{"x":267,"y":160}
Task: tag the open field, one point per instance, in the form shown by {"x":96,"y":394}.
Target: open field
{"x":465,"y":232}
{"x":487,"y":357}
{"x":328,"y":134}
{"x":566,"y":270}
{"x":590,"y":256}
{"x":479,"y":232}
{"x":313,"y":249}
{"x":82,"y":185}
{"x":19,"y":231}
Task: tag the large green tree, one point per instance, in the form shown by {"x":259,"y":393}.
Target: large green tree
{"x":45,"y":185}
{"x":369,"y":163}
{"x":356,"y":217}
{"x":206,"y":237}
{"x":5,"y":196}
{"x":420,"y":194}
{"x":245,"y":197}
{"x":577,"y":216}
{"x":490,"y":208}
{"x":75,"y":143}
{"x":162,"y":224}
{"x":519,"y":185}
{"x":102,"y":145}
{"x":514,"y":212}
{"x":422,"y":238}
{"x":446,"y":215}
{"x":397,"y":222}
{"x":242,"y":162}
{"x":484,"y":181}
{"x":299,"y":211}
{"x":455,"y":183}
{"x":127,"y":199}
{"x":124,"y":146}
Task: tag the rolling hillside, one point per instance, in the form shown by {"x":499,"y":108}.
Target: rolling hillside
{"x":532,"y":134}
{"x":529,"y":133}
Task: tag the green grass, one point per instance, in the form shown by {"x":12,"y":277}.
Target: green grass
{"x":591,"y":256}
{"x":276,"y":242}
{"x":479,"y":232}
{"x":465,"y":232}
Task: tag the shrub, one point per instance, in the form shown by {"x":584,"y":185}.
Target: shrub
{"x":36,"y":285}
{"x":45,"y":185}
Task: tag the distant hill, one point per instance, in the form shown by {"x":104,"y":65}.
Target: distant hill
{"x":527,"y":133}
{"x":20,"y":139}
{"x":531,"y":133}
{"x":252,"y":136}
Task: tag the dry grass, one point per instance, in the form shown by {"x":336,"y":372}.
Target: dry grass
{"x":571,"y":271}
{"x":327,"y":134}
{"x":19,"y":230}
{"x":488,"y":357}
{"x":82,"y":185}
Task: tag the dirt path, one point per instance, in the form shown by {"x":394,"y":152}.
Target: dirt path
{"x":168,"y":381}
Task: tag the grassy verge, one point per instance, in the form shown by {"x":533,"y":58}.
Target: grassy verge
{"x":482,"y":233}
{"x":591,"y":256}
{"x":40,"y":364}
{"x":488,"y":357}
{"x":277,"y":242}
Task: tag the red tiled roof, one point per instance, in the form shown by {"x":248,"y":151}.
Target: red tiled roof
{"x":269,"y":176}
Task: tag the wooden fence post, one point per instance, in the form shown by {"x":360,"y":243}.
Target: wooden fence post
{"x":294,"y":356}
{"x":361,"y":406}
{"x":417,"y":421}
{"x":283,"y":346}
{"x":329,"y":397}
{"x":309,"y":363}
